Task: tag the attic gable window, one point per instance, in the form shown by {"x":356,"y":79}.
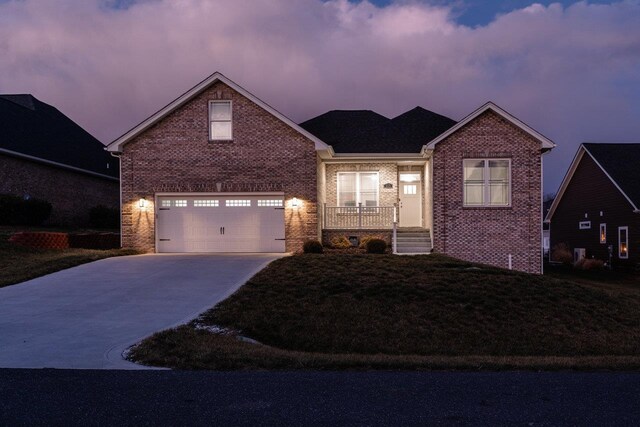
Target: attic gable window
{"x":220,"y":126}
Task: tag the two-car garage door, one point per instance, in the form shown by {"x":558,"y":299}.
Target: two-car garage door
{"x":229,"y":223}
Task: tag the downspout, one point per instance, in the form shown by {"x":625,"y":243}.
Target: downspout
{"x":120,"y":185}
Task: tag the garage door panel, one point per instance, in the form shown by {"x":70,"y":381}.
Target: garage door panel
{"x":220,"y":224}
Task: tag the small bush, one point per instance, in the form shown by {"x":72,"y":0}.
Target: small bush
{"x":103,"y":217}
{"x":561,"y":253}
{"x":312,"y":247}
{"x":340,"y":242}
{"x":16,"y":210}
{"x":365,"y":239}
{"x":590,"y":264}
{"x":376,"y":246}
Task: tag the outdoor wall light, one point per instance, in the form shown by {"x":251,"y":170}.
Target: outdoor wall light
{"x":142,"y":203}
{"x":295,"y":202}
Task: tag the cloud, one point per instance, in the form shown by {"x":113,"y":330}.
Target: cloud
{"x":572,"y":73}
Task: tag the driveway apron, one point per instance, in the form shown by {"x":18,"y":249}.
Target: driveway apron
{"x":86,"y":316}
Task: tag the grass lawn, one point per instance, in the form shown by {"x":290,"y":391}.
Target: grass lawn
{"x":18,"y":264}
{"x":337,"y":311}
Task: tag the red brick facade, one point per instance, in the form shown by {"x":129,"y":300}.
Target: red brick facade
{"x":71,"y":194}
{"x":175,"y":156}
{"x":489,"y":235}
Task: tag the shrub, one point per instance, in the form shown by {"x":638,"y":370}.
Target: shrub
{"x":590,"y":264}
{"x":365,"y":239}
{"x":312,"y":247}
{"x":16,"y":210}
{"x":340,"y":242}
{"x":561,"y":253}
{"x":376,"y":246}
{"x":103,"y":217}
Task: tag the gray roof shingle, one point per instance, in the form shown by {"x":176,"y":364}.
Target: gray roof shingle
{"x":622,"y":163}
{"x":29,"y":126}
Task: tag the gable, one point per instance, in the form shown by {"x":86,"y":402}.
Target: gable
{"x":545,"y":143}
{"x":116,"y":146}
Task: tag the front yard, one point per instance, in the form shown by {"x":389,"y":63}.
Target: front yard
{"x":18,"y":264}
{"x":337,"y":311}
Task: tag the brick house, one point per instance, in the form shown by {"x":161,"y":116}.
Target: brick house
{"x":596,"y":212}
{"x":218,"y":170}
{"x":45,"y":155}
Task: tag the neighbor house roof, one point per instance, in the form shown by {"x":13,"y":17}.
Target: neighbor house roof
{"x":365,"y":131}
{"x":31,"y":129}
{"x":116,"y":145}
{"x":619,"y":162}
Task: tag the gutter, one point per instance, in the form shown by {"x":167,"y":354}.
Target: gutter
{"x":117,"y":156}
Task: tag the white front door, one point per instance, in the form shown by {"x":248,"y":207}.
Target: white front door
{"x":410,"y":200}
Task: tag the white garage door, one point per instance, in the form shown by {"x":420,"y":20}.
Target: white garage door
{"x":210,"y":223}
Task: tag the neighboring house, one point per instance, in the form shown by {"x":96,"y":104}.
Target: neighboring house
{"x":219,"y":170}
{"x":596,"y":211}
{"x":45,"y":155}
{"x":546,"y":233}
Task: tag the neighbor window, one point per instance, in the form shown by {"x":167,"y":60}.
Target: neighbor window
{"x":487,"y":182}
{"x":623,"y":242}
{"x":603,"y":233}
{"x":220,"y":128}
{"x":357,"y":187}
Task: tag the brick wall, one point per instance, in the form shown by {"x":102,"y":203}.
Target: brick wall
{"x":175,"y":155}
{"x":71,"y":194}
{"x":489,"y":235}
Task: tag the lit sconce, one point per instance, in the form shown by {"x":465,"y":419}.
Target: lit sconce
{"x":295,"y":202}
{"x":623,"y":248}
{"x":142,"y":203}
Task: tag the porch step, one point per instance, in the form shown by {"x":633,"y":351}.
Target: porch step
{"x":413,"y":241}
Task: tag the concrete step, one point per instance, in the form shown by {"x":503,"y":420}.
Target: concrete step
{"x":414,"y":238}
{"x":413,"y":250}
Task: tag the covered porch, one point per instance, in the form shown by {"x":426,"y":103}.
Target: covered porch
{"x":376,"y":197}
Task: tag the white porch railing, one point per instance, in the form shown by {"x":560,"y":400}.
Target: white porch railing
{"x":357,"y":217}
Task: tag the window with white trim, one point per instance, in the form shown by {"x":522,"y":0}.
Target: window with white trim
{"x":623,"y":242}
{"x":603,"y":233}
{"x":220,"y":123}
{"x":487,"y":182}
{"x":358,"y":187}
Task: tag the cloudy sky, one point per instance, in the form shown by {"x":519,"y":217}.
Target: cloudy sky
{"x":569,"y":69}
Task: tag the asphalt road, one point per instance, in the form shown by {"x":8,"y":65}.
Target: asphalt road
{"x":92,"y":397}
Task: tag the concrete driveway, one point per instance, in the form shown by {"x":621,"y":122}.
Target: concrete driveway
{"x":86,"y":316}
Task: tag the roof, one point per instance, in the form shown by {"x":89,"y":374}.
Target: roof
{"x":619,"y":162}
{"x":31,"y":129}
{"x":546,"y":143}
{"x":365,"y":131}
{"x":116,"y":146}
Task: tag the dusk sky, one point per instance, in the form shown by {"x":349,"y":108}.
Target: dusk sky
{"x":569,"y":69}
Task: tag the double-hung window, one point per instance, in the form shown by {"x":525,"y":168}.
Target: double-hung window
{"x":220,"y":127}
{"x":487,"y":182}
{"x":358,"y":187}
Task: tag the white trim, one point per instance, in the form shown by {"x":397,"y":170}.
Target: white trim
{"x":116,"y":145}
{"x":221,"y":101}
{"x":569,"y":175}
{"x":546,"y":142}
{"x":485,"y":185}
{"x":56,"y":164}
{"x":584,"y":225}
{"x":357,"y":174}
{"x":626,"y":241}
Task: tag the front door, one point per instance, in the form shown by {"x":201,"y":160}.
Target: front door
{"x":410,"y":200}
